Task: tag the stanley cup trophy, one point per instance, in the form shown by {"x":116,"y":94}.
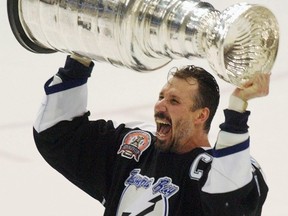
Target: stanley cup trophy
{"x":144,"y":35}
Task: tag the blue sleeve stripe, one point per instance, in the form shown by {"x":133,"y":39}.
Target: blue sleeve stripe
{"x":63,"y":86}
{"x":230,"y":150}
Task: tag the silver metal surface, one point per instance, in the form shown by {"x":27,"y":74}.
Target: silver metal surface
{"x":147,"y":34}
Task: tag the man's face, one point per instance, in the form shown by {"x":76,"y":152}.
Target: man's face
{"x":174,"y":116}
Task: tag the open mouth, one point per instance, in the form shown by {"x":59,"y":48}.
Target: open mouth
{"x":163,"y":128}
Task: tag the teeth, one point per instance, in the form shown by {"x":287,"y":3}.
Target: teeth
{"x":162,"y":122}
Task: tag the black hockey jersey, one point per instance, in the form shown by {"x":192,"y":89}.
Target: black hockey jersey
{"x":118,"y":164}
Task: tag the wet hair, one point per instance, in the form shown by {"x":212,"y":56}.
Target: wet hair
{"x":208,"y":89}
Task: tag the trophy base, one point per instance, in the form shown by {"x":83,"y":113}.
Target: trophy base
{"x":18,"y":31}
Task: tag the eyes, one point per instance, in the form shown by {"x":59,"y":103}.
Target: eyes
{"x":172,"y":100}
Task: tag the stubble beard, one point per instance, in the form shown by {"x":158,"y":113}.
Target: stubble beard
{"x":164,"y":146}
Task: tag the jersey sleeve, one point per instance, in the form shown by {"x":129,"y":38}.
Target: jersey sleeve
{"x":82,"y":150}
{"x":66,"y":97}
{"x":235,"y":184}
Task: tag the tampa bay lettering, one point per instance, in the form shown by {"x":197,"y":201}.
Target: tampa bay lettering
{"x":164,"y":185}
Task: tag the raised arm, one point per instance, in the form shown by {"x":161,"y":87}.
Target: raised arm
{"x":76,"y":147}
{"x":235,"y":184}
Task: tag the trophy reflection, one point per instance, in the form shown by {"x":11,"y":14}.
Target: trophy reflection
{"x":145,"y":35}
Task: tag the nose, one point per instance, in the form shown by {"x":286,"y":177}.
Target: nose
{"x":160,"y":105}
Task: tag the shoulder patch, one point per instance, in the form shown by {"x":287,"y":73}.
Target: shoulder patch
{"x":134,"y":144}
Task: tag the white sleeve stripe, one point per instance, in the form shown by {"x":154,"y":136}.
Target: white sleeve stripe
{"x":229,"y":173}
{"x":61,"y":106}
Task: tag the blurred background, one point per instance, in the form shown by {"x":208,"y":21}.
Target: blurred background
{"x":29,"y":186}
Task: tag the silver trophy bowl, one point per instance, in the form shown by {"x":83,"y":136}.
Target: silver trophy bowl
{"x":145,"y":35}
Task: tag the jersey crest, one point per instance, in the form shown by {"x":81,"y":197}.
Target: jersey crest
{"x":144,"y":196}
{"x":134,"y":144}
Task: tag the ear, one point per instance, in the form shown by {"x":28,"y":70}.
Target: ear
{"x":202,"y":115}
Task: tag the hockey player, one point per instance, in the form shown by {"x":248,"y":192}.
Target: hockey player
{"x":169,"y":169}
